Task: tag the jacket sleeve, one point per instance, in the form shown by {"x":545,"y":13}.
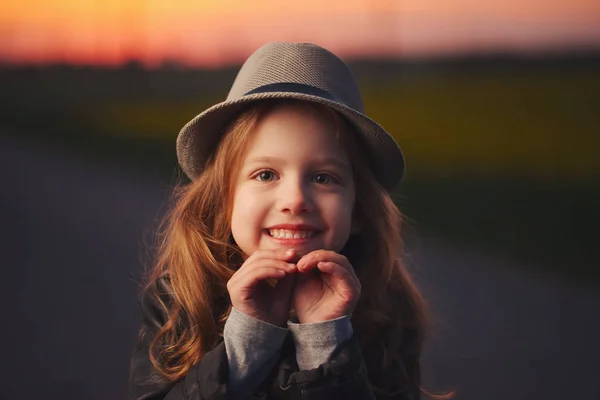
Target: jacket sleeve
{"x":253,"y":348}
{"x":205,"y":380}
{"x":316,"y":342}
{"x":343,"y":376}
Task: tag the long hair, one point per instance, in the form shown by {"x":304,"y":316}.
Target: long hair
{"x":198,"y":255}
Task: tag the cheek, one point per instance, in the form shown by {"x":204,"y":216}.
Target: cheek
{"x":343,"y":212}
{"x":345,"y":209}
{"x":346,"y":223}
{"x":245,"y":210}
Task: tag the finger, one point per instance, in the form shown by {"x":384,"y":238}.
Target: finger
{"x":280,"y":254}
{"x":241,"y":273}
{"x":311,"y":260}
{"x":260,"y":255}
{"x":338,"y":277}
{"x":331,"y":268}
{"x":253,"y":277}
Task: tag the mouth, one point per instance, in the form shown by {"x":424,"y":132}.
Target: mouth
{"x":293,"y":234}
{"x":301,"y":238}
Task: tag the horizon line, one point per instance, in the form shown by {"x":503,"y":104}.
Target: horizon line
{"x":591,"y":49}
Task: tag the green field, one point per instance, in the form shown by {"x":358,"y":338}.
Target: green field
{"x":543,"y":126}
{"x":504,"y":159}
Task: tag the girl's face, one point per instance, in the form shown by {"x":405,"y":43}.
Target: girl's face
{"x":294,"y":187}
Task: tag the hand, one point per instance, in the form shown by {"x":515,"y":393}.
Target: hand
{"x":326,"y":287}
{"x":262,"y":287}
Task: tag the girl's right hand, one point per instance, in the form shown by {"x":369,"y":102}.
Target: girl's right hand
{"x":252,"y":295}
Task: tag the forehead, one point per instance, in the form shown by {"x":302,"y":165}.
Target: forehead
{"x":297,"y":128}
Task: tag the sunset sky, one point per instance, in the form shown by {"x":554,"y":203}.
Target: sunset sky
{"x":212,"y":33}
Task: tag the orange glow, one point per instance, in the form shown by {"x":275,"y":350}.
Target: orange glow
{"x":225,"y":31}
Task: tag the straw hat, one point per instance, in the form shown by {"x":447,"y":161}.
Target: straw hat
{"x":300,"y":71}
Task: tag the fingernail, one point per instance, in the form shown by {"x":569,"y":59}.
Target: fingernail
{"x":289,"y":252}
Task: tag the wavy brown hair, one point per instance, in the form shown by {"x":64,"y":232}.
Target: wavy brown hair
{"x":197,"y":254}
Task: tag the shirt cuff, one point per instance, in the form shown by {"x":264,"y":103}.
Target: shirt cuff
{"x":252,"y":348}
{"x":316,"y":342}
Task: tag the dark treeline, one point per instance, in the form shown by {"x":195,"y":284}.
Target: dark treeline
{"x":173,"y":80}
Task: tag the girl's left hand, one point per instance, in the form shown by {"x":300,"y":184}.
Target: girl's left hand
{"x":326,"y":287}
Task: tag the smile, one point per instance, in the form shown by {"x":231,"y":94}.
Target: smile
{"x":290,"y":234}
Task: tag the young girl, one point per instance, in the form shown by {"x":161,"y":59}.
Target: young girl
{"x":280,"y":271}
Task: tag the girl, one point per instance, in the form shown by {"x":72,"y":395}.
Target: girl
{"x":280,"y":272}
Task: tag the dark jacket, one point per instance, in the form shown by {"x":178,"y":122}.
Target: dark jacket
{"x":344,"y":376}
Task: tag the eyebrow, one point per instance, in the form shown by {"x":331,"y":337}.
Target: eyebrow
{"x":327,"y":160}
{"x":262,"y":160}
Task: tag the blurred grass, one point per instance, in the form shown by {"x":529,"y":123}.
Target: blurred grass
{"x":539,"y":224}
{"x":540,"y":125}
{"x":544,"y":125}
{"x":504,"y":159}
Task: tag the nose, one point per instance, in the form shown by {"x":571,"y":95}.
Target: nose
{"x":295,"y":197}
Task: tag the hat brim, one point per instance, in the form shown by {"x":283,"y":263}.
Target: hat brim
{"x":199,"y":137}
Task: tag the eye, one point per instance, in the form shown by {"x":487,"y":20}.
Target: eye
{"x":324,"y":179}
{"x":265,"y":176}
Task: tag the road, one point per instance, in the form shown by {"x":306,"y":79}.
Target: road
{"x":72,"y":248}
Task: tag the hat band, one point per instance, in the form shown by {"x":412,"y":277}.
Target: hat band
{"x":291,"y":87}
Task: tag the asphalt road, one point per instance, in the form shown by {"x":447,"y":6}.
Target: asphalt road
{"x":71,"y":249}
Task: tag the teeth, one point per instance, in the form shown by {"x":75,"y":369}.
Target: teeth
{"x":289,"y":234}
